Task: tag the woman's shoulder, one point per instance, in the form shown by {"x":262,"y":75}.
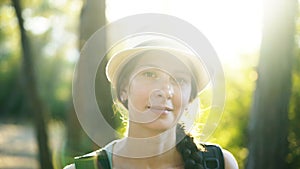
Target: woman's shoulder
{"x":229,"y":160}
{"x":106,"y":150}
{"x":87,"y":160}
{"x":71,"y":166}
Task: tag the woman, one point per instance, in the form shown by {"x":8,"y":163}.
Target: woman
{"x":156,"y":82}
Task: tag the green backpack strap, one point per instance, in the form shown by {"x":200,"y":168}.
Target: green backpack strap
{"x":94,"y":160}
{"x":213,"y":157}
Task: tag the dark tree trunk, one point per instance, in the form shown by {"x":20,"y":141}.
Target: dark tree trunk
{"x":91,"y":19}
{"x":33,"y":98}
{"x":268,"y":126}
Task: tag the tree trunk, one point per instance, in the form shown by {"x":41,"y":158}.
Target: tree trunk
{"x":92,"y":18}
{"x":268,"y":128}
{"x":33,"y":98}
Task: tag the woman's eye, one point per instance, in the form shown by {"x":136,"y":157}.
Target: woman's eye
{"x":150,"y":74}
{"x":181,"y":81}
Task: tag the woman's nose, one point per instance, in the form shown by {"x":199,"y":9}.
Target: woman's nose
{"x":169,"y":91}
{"x":167,"y":88}
{"x":163,"y":92}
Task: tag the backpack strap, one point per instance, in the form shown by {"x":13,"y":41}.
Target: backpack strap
{"x":213,"y":157}
{"x":95,"y":160}
{"x":103,"y":162}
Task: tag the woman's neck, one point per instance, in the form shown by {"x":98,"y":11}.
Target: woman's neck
{"x":146,"y":148}
{"x":143,"y":143}
{"x":153,"y":152}
{"x":168,"y":160}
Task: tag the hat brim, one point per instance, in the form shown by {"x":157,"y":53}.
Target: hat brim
{"x":193,"y":62}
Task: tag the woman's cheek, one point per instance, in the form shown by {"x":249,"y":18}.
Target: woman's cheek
{"x":183,"y":94}
{"x":138,"y":96}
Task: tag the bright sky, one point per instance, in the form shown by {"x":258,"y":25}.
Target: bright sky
{"x":232,"y":26}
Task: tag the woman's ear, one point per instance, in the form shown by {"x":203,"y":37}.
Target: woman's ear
{"x":186,"y":109}
{"x":123,"y":95}
{"x":123,"y":92}
{"x":194,"y":105}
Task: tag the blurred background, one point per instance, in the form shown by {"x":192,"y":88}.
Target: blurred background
{"x":257,"y":42}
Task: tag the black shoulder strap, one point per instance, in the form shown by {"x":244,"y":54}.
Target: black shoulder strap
{"x":213,"y":157}
{"x":103,"y":162}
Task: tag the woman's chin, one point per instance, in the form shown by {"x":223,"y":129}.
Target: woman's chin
{"x":161,"y":124}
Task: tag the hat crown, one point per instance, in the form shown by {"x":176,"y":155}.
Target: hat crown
{"x":164,"y":43}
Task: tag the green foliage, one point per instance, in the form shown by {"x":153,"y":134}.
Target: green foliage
{"x":232,"y":131}
{"x":293,"y":158}
{"x":51,"y":26}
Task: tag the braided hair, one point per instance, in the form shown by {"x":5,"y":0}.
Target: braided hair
{"x":188,"y":149}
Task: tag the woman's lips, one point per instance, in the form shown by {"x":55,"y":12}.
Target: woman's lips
{"x":160,"y":109}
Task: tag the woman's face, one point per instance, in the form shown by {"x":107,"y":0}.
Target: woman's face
{"x":158,"y":90}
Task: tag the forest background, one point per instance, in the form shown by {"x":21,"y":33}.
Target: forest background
{"x":257,"y":42}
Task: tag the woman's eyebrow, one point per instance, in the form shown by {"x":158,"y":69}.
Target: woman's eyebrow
{"x":182,"y":72}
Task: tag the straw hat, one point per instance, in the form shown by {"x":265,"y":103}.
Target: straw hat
{"x":193,"y":62}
